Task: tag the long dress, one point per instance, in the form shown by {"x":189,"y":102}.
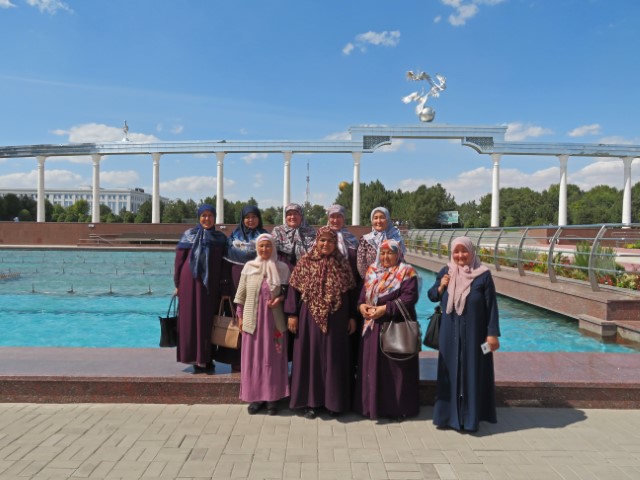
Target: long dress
{"x":196,"y":306}
{"x":386,"y":387}
{"x":366,"y":256}
{"x":319,"y":374}
{"x":265,"y":374}
{"x":465,"y":390}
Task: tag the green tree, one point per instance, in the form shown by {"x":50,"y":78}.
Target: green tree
{"x":12,"y":206}
{"x":601,"y":204}
{"x":315,"y":215}
{"x":144,"y":213}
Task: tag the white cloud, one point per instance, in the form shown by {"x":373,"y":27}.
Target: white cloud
{"x":437,"y":19}
{"x":80,"y":159}
{"x":338,"y":136}
{"x":258,"y":180}
{"x":618,"y":140}
{"x":177,"y":129}
{"x":465,"y":10}
{"x":244,"y":131}
{"x":585,"y":130}
{"x":6,"y":4}
{"x":52,"y":179}
{"x":249,"y":159}
{"x":100,"y":133}
{"x":517,"y":132}
{"x":49,"y":6}
{"x":115,"y":178}
{"x":384,"y":39}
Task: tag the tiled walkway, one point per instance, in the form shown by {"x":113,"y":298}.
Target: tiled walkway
{"x":132,"y":441}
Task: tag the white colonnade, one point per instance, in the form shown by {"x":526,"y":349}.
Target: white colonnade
{"x":486,"y":140}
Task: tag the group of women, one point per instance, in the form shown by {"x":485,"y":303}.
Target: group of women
{"x":317,"y":300}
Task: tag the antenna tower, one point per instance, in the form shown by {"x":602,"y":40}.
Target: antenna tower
{"x":306,"y":200}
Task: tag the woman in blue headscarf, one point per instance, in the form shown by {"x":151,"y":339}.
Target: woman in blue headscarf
{"x":241,"y":248}
{"x":197,"y":276}
{"x":382,"y":229}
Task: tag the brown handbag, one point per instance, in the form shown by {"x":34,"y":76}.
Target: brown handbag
{"x":225,"y":331}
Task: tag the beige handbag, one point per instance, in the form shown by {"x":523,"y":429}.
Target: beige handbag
{"x":225,"y":331}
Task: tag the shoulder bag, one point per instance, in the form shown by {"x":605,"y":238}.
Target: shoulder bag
{"x":431,"y":338}
{"x":400,"y":338}
{"x":169,"y":325}
{"x":225,"y":331}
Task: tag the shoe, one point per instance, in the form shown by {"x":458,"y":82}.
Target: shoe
{"x":255,"y":407}
{"x":272,"y":408}
{"x":332,"y":413}
{"x":310,"y":413}
{"x":198,"y":369}
{"x":235,"y":368}
{"x":211,"y":367}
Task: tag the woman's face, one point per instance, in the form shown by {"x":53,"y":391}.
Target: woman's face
{"x":326,"y":245}
{"x":461,"y":256}
{"x":251,"y":221}
{"x":388,"y":258}
{"x":265,"y":249}
{"x":294,"y":219}
{"x":207,"y":220}
{"x":379,"y":222}
{"x":336,"y":221}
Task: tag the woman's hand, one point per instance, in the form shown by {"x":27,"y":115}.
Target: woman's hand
{"x":379,"y":312}
{"x":444,"y":282}
{"x":239,"y":317}
{"x":175,"y":293}
{"x":367,"y":310}
{"x":274,"y":302}
{"x":352,"y":326}
{"x":292,"y":325}
{"x":494,"y":343}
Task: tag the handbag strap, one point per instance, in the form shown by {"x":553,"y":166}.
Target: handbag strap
{"x":172,"y":303}
{"x":403,"y":310}
{"x":226,"y":298}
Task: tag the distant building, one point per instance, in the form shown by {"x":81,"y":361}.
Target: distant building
{"x":116,"y":199}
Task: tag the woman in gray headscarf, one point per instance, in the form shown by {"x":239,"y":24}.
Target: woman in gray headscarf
{"x":382,"y":229}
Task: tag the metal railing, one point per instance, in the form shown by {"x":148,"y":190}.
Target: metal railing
{"x":603,"y":256}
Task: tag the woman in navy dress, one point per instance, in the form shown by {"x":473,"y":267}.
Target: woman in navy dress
{"x":465,"y":390}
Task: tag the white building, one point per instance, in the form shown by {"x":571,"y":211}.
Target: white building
{"x":116,"y":199}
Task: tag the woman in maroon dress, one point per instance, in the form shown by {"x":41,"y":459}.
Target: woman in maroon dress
{"x":387,"y":387}
{"x":322,"y":323}
{"x":197,"y":275}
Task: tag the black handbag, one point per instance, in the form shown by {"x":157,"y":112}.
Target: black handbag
{"x":431,"y":337}
{"x":400,"y":338}
{"x":169,"y":325}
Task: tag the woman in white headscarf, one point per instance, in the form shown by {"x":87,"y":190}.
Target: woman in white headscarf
{"x":264,"y":378}
{"x":382,"y":229}
{"x":465,"y":389}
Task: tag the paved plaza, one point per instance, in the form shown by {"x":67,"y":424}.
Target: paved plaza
{"x":131,"y":441}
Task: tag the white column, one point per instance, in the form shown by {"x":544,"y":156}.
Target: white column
{"x":355,"y":203}
{"x":562,"y":194}
{"x":286,"y":192}
{"x":220,"y":188}
{"x":495,"y":192}
{"x":40,"y":199}
{"x":155,"y":190}
{"x":95,"y":210}
{"x":626,"y":196}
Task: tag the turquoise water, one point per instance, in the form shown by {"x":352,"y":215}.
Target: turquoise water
{"x":86,"y":298}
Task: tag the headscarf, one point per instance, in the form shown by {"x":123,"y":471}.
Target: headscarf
{"x":294,"y":241}
{"x":375,"y":238}
{"x":380,"y":281}
{"x":241,"y":242}
{"x":460,"y":278}
{"x":346,"y":239}
{"x":200,"y":240}
{"x":276,"y":273}
{"x":322,"y":279}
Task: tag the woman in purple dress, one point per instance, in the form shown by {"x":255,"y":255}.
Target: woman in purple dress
{"x":197,"y":276}
{"x":322,"y":323}
{"x":241,"y":247}
{"x":465,"y":388}
{"x":261,"y":292}
{"x":381,"y":229}
{"x":295,"y":237}
{"x":386,"y":387}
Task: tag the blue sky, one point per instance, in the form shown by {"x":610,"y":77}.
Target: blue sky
{"x":551,"y":70}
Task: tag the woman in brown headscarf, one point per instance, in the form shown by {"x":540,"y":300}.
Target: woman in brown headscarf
{"x":324,"y":284}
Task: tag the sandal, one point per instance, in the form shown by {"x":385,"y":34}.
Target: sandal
{"x":272,"y":408}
